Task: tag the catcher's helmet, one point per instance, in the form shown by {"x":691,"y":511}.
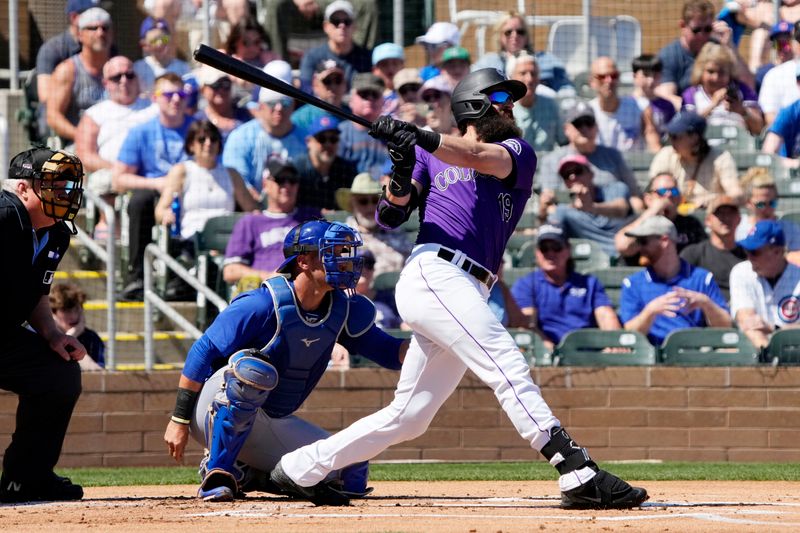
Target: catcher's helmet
{"x":470,"y":98}
{"x":336,"y":245}
{"x":57,"y":177}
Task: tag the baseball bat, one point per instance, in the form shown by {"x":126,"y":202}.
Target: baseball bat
{"x":239,"y":69}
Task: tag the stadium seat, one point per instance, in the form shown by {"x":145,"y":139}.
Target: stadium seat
{"x":618,"y":37}
{"x":532,"y":346}
{"x":708,"y":347}
{"x":587,"y":255}
{"x":745,"y":160}
{"x":337,"y":215}
{"x":512,"y":274}
{"x":386,"y":281}
{"x":596,"y":347}
{"x":360,"y":361}
{"x":210,"y":246}
{"x":731,"y":138}
{"x":611,"y":278}
{"x":783,"y":347}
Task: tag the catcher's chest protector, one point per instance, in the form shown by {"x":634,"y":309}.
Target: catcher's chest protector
{"x":300,"y":350}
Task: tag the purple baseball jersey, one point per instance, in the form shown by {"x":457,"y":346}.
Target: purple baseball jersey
{"x":257,"y":239}
{"x":472,"y":212}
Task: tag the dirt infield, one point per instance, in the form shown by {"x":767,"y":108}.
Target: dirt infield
{"x":491,"y":507}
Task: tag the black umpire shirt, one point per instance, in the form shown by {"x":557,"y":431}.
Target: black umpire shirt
{"x":29,"y":260}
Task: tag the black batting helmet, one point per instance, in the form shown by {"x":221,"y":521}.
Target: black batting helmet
{"x":470,"y":98}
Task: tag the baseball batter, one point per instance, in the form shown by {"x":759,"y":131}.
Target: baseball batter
{"x":471,"y":191}
{"x":281,"y":336}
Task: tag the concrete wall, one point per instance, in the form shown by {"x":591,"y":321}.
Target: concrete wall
{"x":686,"y":414}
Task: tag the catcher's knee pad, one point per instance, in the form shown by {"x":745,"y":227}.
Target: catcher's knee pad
{"x":355,"y":477}
{"x":564,"y":454}
{"x":247,"y":382}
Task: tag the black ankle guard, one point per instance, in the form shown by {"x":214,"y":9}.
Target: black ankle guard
{"x":564,"y":454}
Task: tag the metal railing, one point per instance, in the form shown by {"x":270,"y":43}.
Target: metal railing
{"x":151,"y":298}
{"x":109,"y":257}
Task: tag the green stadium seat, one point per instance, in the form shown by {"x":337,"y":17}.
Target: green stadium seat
{"x":784,"y":347}
{"x":596,"y":347}
{"x":512,"y":274}
{"x":386,"y":281}
{"x":532,"y":346}
{"x":731,"y":138}
{"x":338,"y":215}
{"x":638,"y":159}
{"x":611,"y":278}
{"x":209,"y":245}
{"x":745,"y":160}
{"x":708,"y":347}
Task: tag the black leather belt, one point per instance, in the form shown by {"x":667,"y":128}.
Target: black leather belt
{"x":478,"y":272}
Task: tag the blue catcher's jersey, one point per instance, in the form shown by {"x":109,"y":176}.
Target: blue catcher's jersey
{"x":270,"y":320}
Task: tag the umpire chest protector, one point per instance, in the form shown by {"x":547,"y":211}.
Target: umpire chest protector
{"x":300,"y":349}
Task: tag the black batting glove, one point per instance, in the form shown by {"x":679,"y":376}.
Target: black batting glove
{"x":403,"y":155}
{"x":386,"y":127}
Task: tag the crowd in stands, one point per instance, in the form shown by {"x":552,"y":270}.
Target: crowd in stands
{"x":706,"y":231}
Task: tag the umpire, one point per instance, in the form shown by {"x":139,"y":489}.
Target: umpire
{"x":40,"y":364}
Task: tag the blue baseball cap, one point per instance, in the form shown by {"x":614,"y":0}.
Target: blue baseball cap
{"x":686,"y":122}
{"x":323,"y":123}
{"x":79,"y":6}
{"x":387,"y":51}
{"x":152,"y":24}
{"x":765,"y":232}
{"x":781,"y":28}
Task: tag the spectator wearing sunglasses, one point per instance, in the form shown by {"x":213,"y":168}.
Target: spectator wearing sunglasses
{"x":557,"y":299}
{"x":271,"y":132}
{"x":669,"y":293}
{"x":764,"y":289}
{"x":719,"y":253}
{"x":366,"y":101}
{"x":327,"y":84}
{"x":387,"y":60}
{"x":158,"y":54}
{"x":513,"y":39}
{"x":761,"y":201}
{"x":595,"y":212}
{"x":322,"y":172}
{"x":661,"y":198}
{"x":435,"y":94}
{"x":619,"y":119}
{"x":104,"y":126}
{"x":217,"y":104}
{"x":255,"y":248}
{"x":77,"y":82}
{"x":410,"y":108}
{"x":390,"y":248}
{"x":780,"y":39}
{"x":607,"y":164}
{"x":697,"y":26}
{"x":338,"y":25}
{"x":779,"y":88}
{"x":149,"y":152}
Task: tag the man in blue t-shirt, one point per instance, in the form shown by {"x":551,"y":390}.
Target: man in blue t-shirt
{"x":148,"y":153}
{"x":669,"y":294}
{"x":555,"y":297}
{"x":783,"y":136}
{"x":355,"y":143}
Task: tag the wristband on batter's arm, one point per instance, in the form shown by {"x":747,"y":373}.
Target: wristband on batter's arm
{"x":430,"y":141}
{"x":184,"y":405}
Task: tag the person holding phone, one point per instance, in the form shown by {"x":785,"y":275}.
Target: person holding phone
{"x":718,"y":96}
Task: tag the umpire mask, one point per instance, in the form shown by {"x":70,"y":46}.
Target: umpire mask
{"x":57,"y":178}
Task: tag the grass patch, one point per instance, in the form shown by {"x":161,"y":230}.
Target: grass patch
{"x":500,"y":471}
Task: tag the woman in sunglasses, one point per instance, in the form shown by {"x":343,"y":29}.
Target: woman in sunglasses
{"x":216,"y":89}
{"x":513,"y":38}
{"x":719,"y":97}
{"x":761,"y":201}
{"x":202,"y":187}
{"x":248,"y":42}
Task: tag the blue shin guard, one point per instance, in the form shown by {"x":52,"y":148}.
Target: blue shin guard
{"x":247,"y":382}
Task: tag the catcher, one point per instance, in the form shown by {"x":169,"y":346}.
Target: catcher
{"x":281,"y":336}
{"x":42,"y":193}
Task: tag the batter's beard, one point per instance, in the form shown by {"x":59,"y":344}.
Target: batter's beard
{"x":494,"y":127}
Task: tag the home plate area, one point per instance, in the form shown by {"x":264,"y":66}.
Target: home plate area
{"x":464,"y":506}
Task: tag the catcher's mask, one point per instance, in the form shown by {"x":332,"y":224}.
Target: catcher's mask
{"x":57,"y":178}
{"x":337,"y":245}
